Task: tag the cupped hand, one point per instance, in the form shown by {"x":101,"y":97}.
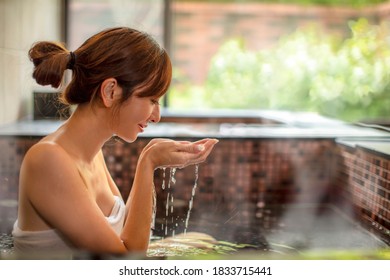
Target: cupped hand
{"x":170,"y":153}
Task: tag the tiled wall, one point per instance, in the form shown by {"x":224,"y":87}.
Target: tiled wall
{"x":365,"y":177}
{"x":240,"y":175}
{"x":218,"y":120}
{"x":240,"y":178}
{"x":12,"y":151}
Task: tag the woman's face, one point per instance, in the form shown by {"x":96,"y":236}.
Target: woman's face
{"x":135,"y":115}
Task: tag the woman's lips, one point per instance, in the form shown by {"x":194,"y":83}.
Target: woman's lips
{"x":142,"y":127}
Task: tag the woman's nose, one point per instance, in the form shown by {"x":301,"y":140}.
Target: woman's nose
{"x":156,"y":116}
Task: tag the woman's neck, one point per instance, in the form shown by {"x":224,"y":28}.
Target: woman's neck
{"x":85,"y":132}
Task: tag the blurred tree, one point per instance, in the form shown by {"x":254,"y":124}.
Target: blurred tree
{"x":307,"y":71}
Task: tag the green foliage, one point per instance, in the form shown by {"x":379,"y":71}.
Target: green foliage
{"x":307,"y":71}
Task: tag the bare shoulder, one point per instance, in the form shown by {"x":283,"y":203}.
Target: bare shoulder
{"x":46,"y":153}
{"x":47,"y":160}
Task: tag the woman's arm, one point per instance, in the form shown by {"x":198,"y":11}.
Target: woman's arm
{"x":136,"y":232}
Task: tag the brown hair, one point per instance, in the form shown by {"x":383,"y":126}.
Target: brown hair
{"x":138,"y":63}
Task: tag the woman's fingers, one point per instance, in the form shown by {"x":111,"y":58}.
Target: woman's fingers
{"x":199,"y":151}
{"x":201,"y":145}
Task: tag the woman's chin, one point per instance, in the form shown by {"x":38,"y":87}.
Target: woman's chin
{"x":128,"y":138}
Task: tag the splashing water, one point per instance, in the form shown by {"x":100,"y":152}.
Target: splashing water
{"x":169,"y":202}
{"x":169,"y":199}
{"x":163,"y":180}
{"x":154,"y":209}
{"x":190,"y":204}
{"x":172,"y":178}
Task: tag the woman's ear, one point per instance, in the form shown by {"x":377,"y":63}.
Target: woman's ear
{"x":110,"y":92}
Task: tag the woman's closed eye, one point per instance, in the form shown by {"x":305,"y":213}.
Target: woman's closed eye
{"x":155,"y":102}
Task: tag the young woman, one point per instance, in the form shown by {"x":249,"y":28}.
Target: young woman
{"x":67,"y":198}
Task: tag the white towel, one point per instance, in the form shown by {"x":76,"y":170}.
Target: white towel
{"x":52,"y":241}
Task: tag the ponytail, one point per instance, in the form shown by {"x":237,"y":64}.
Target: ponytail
{"x":50,"y":62}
